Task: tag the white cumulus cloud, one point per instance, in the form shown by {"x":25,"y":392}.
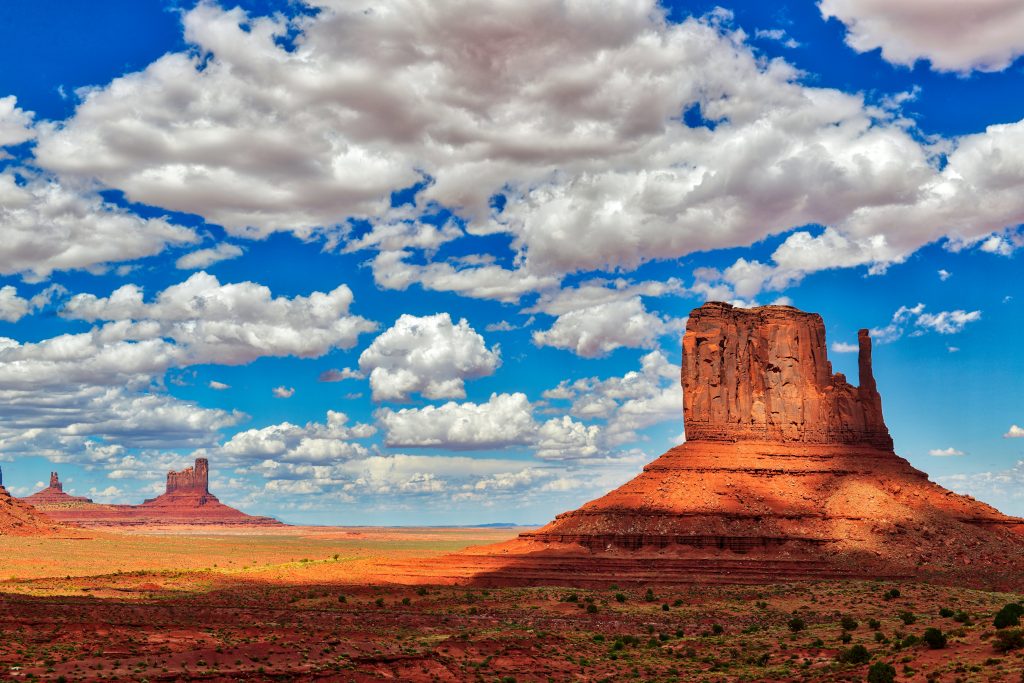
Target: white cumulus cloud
{"x":429,"y":355}
{"x":983,"y":35}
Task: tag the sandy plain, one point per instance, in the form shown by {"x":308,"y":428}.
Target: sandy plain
{"x":321,"y":604}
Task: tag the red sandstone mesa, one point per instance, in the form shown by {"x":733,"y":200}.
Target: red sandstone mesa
{"x":788,"y":472}
{"x":186,"y":501}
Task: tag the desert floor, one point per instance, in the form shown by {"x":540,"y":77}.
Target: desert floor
{"x":315,"y":604}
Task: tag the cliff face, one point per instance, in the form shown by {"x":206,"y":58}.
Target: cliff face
{"x":763,"y":374}
{"x":195,"y":479}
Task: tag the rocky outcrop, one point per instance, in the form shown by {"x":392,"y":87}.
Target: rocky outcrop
{"x":21,"y":519}
{"x":763,"y":374}
{"x":788,"y":472}
{"x":54,"y":496}
{"x":195,"y":480}
{"x":186,"y":501}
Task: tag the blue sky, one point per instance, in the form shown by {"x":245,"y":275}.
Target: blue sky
{"x":406,"y":262}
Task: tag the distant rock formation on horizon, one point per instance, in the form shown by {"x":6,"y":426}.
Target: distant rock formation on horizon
{"x":54,"y":495}
{"x":186,"y":501}
{"x":787,"y":472}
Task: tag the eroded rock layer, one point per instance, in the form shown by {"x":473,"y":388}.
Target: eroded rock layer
{"x":186,"y":501}
{"x":788,"y":472}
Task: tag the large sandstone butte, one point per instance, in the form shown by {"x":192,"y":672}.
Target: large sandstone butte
{"x":788,"y":472}
{"x":186,"y":501}
{"x":21,"y":519}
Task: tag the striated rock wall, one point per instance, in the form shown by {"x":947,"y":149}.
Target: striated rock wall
{"x":195,"y":479}
{"x":763,"y":374}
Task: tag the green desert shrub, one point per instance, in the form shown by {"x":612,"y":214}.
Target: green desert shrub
{"x":1009,"y":615}
{"x":796,"y":624}
{"x":946,"y":612}
{"x":934,"y":638}
{"x":848,"y":623}
{"x":882,"y":672}
{"x":1007,"y":639}
{"x":858,"y":654}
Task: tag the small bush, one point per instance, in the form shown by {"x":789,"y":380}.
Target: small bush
{"x":962,"y":617}
{"x":649,"y":595}
{"x":717,"y":629}
{"x":620,"y":597}
{"x":874,"y":624}
{"x":591,"y":608}
{"x":934,"y":638}
{"x":908,"y":618}
{"x":1009,"y":615}
{"x":946,"y":612}
{"x":342,"y":598}
{"x":664,"y":607}
{"x":858,"y":654}
{"x":796,"y":624}
{"x":571,"y":597}
{"x":1009,"y":639}
{"x":892,"y":594}
{"x":882,"y":672}
{"x":846,"y":637}
{"x":849,"y":623}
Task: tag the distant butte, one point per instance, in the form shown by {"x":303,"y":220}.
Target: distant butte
{"x":54,"y":495}
{"x":186,"y":501}
{"x":788,"y":472}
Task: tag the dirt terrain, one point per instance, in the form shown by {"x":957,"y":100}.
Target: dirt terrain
{"x":310,"y":604}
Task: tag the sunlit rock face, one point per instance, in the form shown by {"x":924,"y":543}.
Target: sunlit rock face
{"x":763,"y":374}
{"x":195,"y":479}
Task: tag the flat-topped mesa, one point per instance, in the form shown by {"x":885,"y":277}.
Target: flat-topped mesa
{"x":763,"y":374}
{"x":194,"y":479}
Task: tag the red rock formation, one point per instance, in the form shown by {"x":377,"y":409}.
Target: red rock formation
{"x":195,"y":480}
{"x":186,"y":501}
{"x":788,"y":472}
{"x":54,"y":496}
{"x":763,"y":375}
{"x":21,"y":519}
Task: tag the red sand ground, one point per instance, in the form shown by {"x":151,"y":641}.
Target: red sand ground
{"x":280,"y":618}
